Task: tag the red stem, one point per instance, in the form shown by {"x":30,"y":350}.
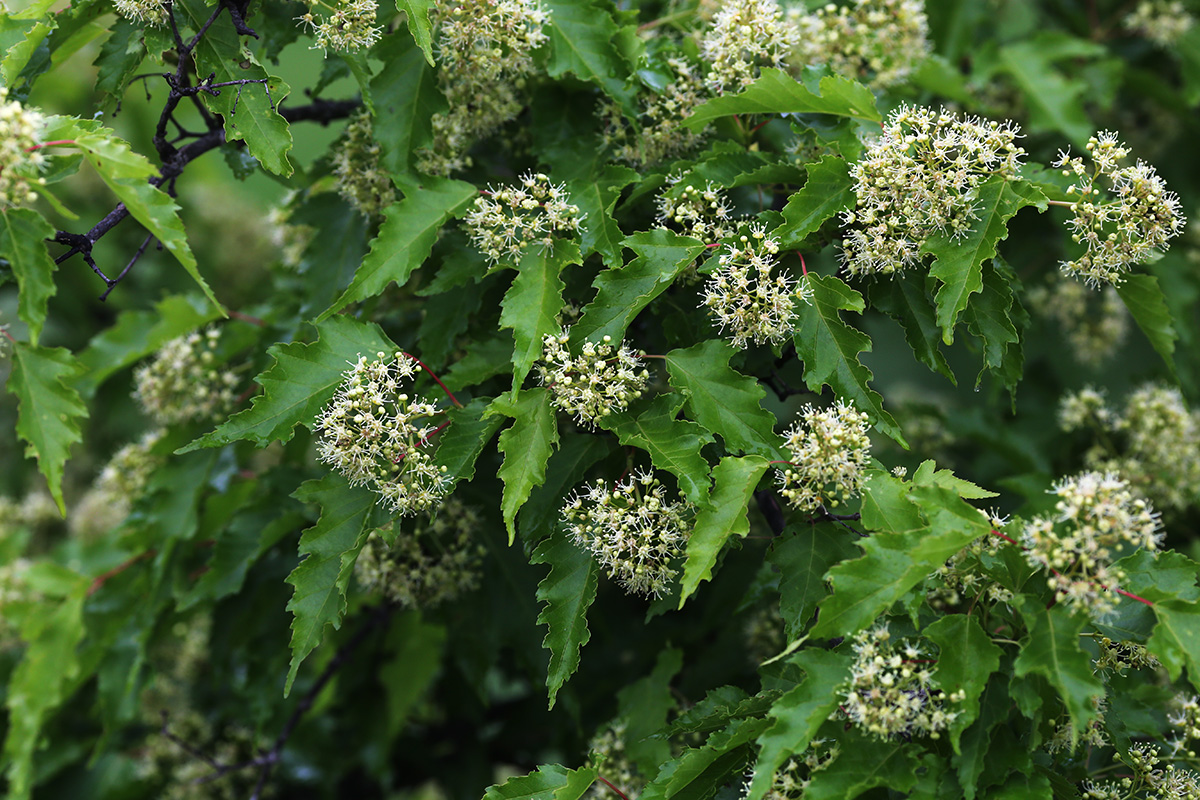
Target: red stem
{"x":803,"y":266}
{"x":433,"y":375}
{"x":117,"y":570}
{"x":604,"y":780}
{"x":247,"y":318}
{"x":1121,"y":592}
{"x":33,"y":147}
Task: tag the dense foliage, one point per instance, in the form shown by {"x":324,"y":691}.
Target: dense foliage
{"x":668,"y":399}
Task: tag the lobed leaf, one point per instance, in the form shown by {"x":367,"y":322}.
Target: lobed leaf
{"x":699,"y":772}
{"x":803,"y":556}
{"x":583,"y":37}
{"x":967,"y":658}
{"x":532,"y":304}
{"x":526,"y":447}
{"x":596,"y":195}
{"x":674,"y":444}
{"x":23,"y":235}
{"x":827,"y":191}
{"x":905,"y":299}
{"x":568,"y":591}
{"x":776,"y":92}
{"x":870,"y":763}
{"x":416,"y":16}
{"x":406,"y":98}
{"x":461,"y":443}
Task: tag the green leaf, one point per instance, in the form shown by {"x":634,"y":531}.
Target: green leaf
{"x":30,"y":35}
{"x":959,"y":260}
{"x":461,"y":443}
{"x":40,"y":682}
{"x":23,"y":234}
{"x":798,"y":714}
{"x":886,"y":505}
{"x":487,"y":358}
{"x":723,"y":400}
{"x":119,"y":59}
{"x":583,"y":38}
{"x":568,"y":591}
{"x":829,"y":348}
{"x":1176,"y":638}
{"x":1145,"y":301}
{"x":803,"y":555}
{"x":621,"y":293}
{"x":1053,"y":652}
{"x":249,"y":111}
{"x":549,"y":782}
{"x":526,"y":446}
{"x":407,"y":235}
{"x":734,"y":481}
{"x":416,"y":16}
{"x":776,"y":92}
{"x":575,"y":455}
{"x":49,"y":410}
{"x":417,"y":649}
{"x":329,"y":550}
{"x":532,"y":304}
{"x":596,"y":196}
{"x":870,"y":763}
{"x":904,"y":299}
{"x":406,"y":99}
{"x":673,"y":444}
{"x":966,"y":659}
{"x":644,"y":706}
{"x":827,"y":192}
{"x":247,"y":538}
{"x":1056,"y":103}
{"x":699,"y":772}
{"x":303,"y":379}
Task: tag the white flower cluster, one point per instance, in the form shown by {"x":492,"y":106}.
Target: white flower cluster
{"x":506,"y":219}
{"x":1096,"y":519}
{"x":1185,"y":719}
{"x":345,"y":26}
{"x":828,"y":450}
{"x":877,"y":41}
{"x":632,"y":529}
{"x":1095,"y":326}
{"x":291,"y":240}
{"x":428,"y":566}
{"x":793,"y":777}
{"x":181,"y":384}
{"x":20,"y":131}
{"x":484,"y":51}
{"x":361,"y":179}
{"x":122,"y":480}
{"x":892,"y":691}
{"x":746,"y":36}
{"x":377,"y":436}
{"x":1145,"y":779}
{"x":1163,"y":22}
{"x":147,"y":12}
{"x":1085,"y":408}
{"x":660,"y":133}
{"x":1123,"y":225}
{"x":17,"y":598}
{"x":600,"y":380}
{"x":701,"y":213}
{"x":920,"y":178}
{"x":750,"y":301}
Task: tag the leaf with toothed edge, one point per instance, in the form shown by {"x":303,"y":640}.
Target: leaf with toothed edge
{"x":568,"y":591}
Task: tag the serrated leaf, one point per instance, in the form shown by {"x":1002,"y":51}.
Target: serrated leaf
{"x":17,"y":55}
{"x":874,"y":763}
{"x":699,"y":772}
{"x":299,"y":384}
{"x":532,"y":304}
{"x":904,"y":299}
{"x":1053,"y":652}
{"x":596,"y":195}
{"x":886,"y":505}
{"x":416,"y":16}
{"x":237,"y":547}
{"x":673,"y":444}
{"x":576,"y":453}
{"x":250,"y":111}
{"x":329,"y":550}
{"x":621,"y":293}
{"x":1176,"y":638}
{"x":1160,"y":575}
{"x":41,"y":682}
{"x":50,"y":409}
{"x":829,"y":348}
{"x":583,"y":40}
{"x":776,"y":92}
{"x":119,"y":58}
{"x":723,"y":400}
{"x":734,"y":481}
{"x":976,"y":740}
{"x":23,"y":234}
{"x":460,"y":445}
{"x":803,"y":556}
{"x":406,"y":98}
{"x":568,"y":591}
{"x":407,"y":235}
{"x":549,"y":782}
{"x":798,"y":714}
{"x":526,"y":446}
{"x":1144,"y":299}
{"x":137,"y":334}
{"x":827,"y":191}
{"x":967,"y":658}
{"x":959,"y":260}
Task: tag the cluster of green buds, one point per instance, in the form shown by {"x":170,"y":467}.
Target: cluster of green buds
{"x":183,"y":383}
{"x":377,"y":435}
{"x":1163,"y":22}
{"x":507,"y":219}
{"x":290,"y":239}
{"x":1096,"y":520}
{"x":1185,"y":720}
{"x":660,"y":133}
{"x":434,"y":563}
{"x":633,"y":529}
{"x":20,"y":160}
{"x":793,"y":777}
{"x":1066,"y":738}
{"x":746,"y":35}
{"x":182,"y":774}
{"x":1144,"y":778}
{"x":361,"y":178}
{"x":879,"y":42}
{"x":602,"y":379}
{"x":345,"y":26}
{"x":1123,"y":224}
{"x":702,"y":213}
{"x":122,"y":480}
{"x":1095,"y":326}
{"x":921,"y":178}
{"x":829,"y":451}
{"x":144,"y":12}
{"x":1118,"y":656}
{"x":750,"y":299}
{"x":608,"y":756}
{"x":963,"y":577}
{"x":892,"y":691}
